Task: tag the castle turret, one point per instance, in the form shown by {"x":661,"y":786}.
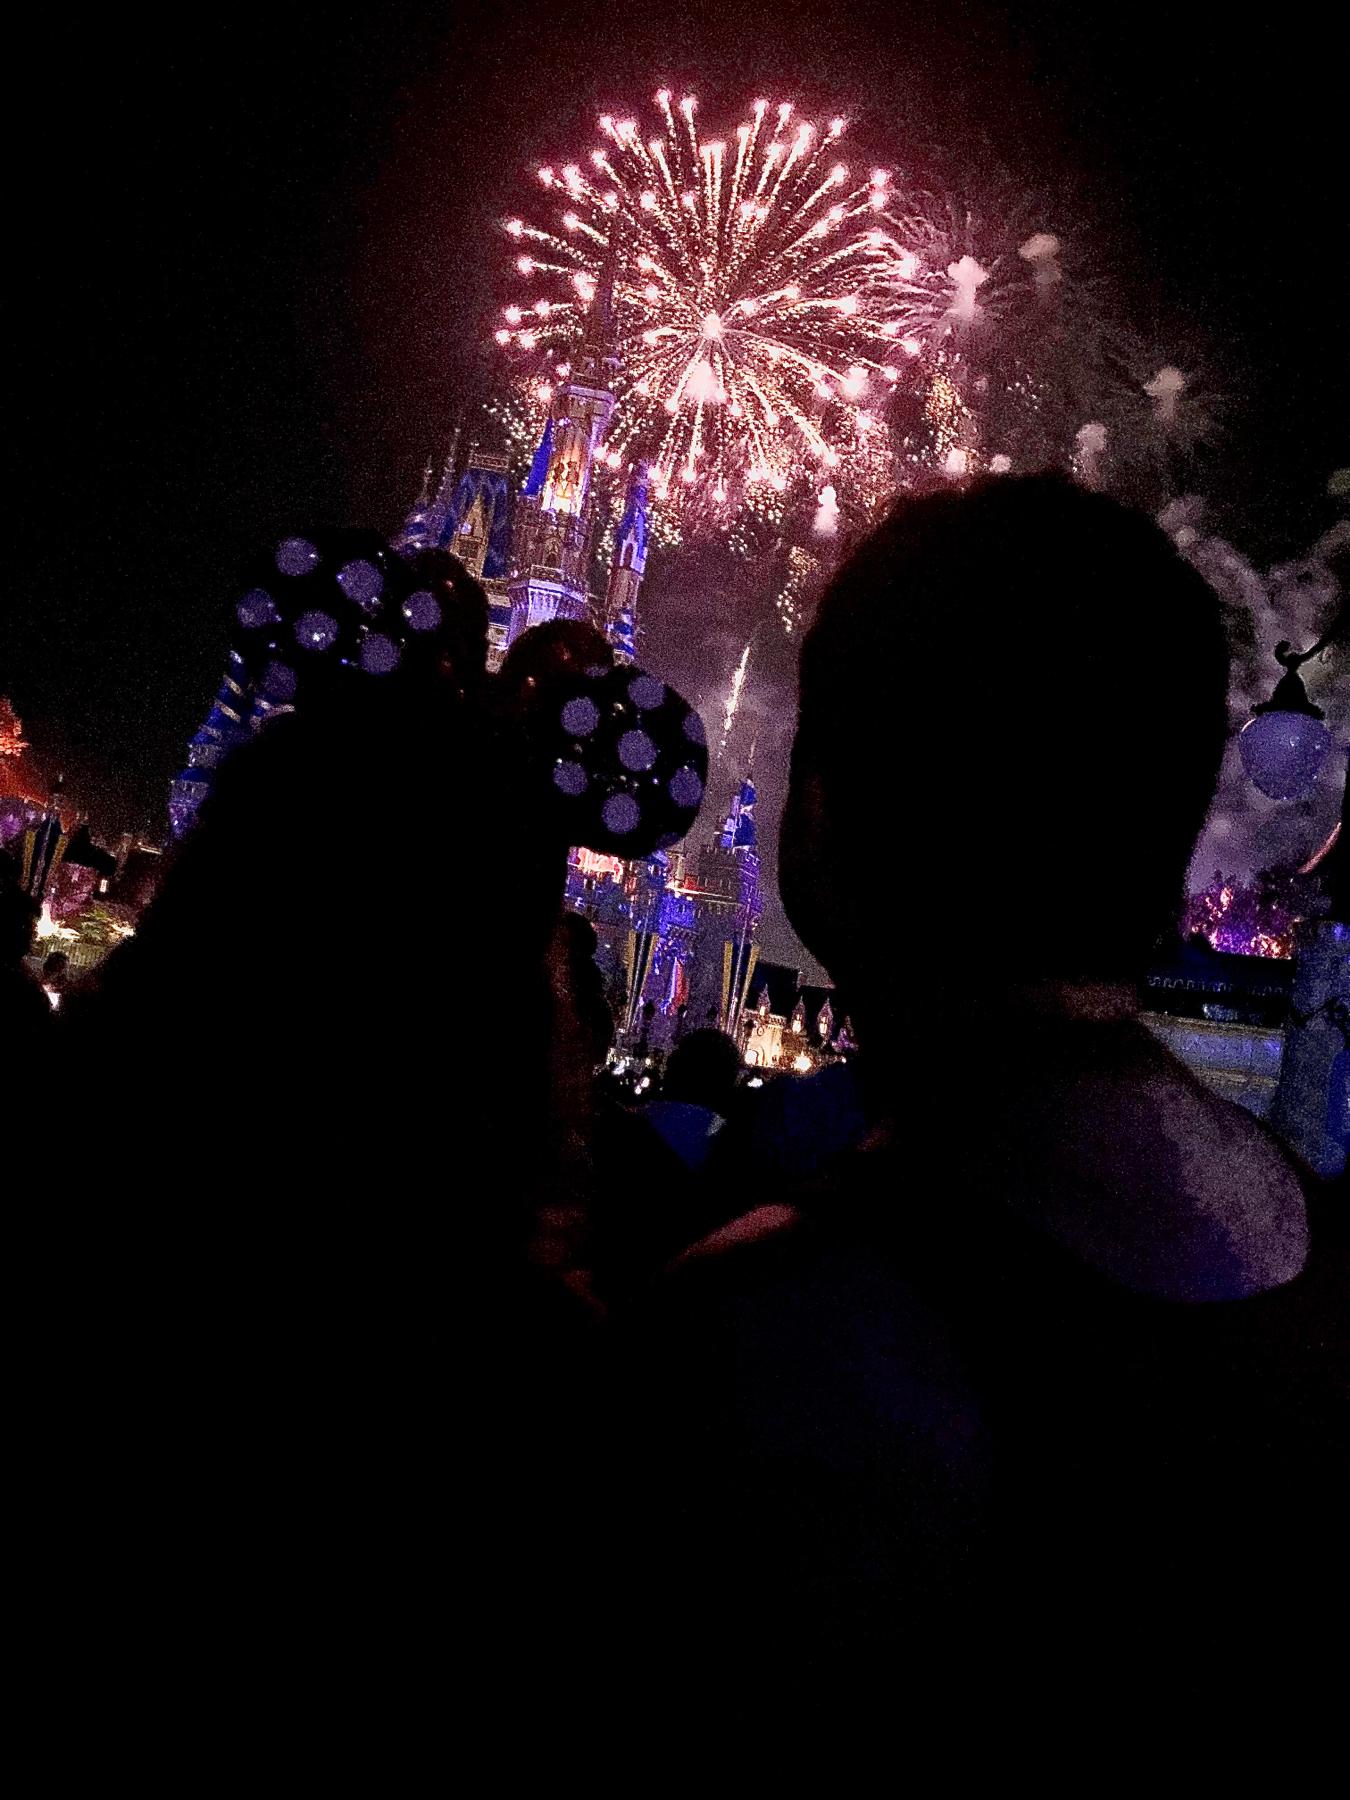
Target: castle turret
{"x":625,"y":574}
{"x":471,"y":517}
{"x":555,"y":518}
{"x":478,"y":520}
{"x":725,"y":887}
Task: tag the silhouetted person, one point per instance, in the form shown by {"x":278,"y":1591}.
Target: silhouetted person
{"x":324,"y":1317}
{"x":999,"y":1353}
{"x":24,"y":1010}
{"x":697,"y":1094}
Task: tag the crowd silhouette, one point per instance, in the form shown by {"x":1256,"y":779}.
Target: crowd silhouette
{"x":387,"y":1311}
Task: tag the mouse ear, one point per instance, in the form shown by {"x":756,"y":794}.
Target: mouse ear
{"x":321,"y":608}
{"x":319,"y":611}
{"x":626,"y":758}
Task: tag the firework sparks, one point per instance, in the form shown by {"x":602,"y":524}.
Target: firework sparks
{"x":734,"y":696}
{"x":758,"y":291}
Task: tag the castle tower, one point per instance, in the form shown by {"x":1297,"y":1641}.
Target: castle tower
{"x":625,"y":575}
{"x":470,"y":515}
{"x":555,"y":517}
{"x":724,"y":885}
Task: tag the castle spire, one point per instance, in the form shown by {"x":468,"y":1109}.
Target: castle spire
{"x":626,"y":571}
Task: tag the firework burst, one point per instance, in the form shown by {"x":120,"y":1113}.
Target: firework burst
{"x":762,"y":297}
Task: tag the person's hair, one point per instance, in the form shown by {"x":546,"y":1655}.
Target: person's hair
{"x":1014,"y":698}
{"x":588,"y":987}
{"x":702,"y":1070}
{"x":549,"y":653}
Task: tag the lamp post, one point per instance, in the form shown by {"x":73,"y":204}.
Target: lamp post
{"x":1286,"y":741}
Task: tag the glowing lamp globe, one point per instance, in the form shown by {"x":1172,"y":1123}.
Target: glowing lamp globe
{"x":1285,"y":743}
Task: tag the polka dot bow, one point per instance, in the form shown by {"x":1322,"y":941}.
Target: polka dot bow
{"x":337,"y":601}
{"x":627,"y":758}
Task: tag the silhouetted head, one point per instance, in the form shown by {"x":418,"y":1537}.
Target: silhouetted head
{"x":1012,"y":716}
{"x":548,"y":655}
{"x":54,"y":968}
{"x":18,"y":915}
{"x":702,"y":1070}
{"x":587,"y":985}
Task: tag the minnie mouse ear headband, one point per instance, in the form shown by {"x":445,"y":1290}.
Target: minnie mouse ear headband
{"x":339,"y":603}
{"x":624,"y":756}
{"x":323,"y":609}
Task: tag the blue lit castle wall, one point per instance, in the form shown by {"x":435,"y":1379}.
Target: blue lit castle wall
{"x":477,"y":529}
{"x":723,"y":879}
{"x":677,"y":931}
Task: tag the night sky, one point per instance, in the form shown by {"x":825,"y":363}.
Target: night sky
{"x":259,"y":252}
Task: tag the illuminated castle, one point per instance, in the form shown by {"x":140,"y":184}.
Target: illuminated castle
{"x":676,"y":931}
{"x":536,"y":554}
